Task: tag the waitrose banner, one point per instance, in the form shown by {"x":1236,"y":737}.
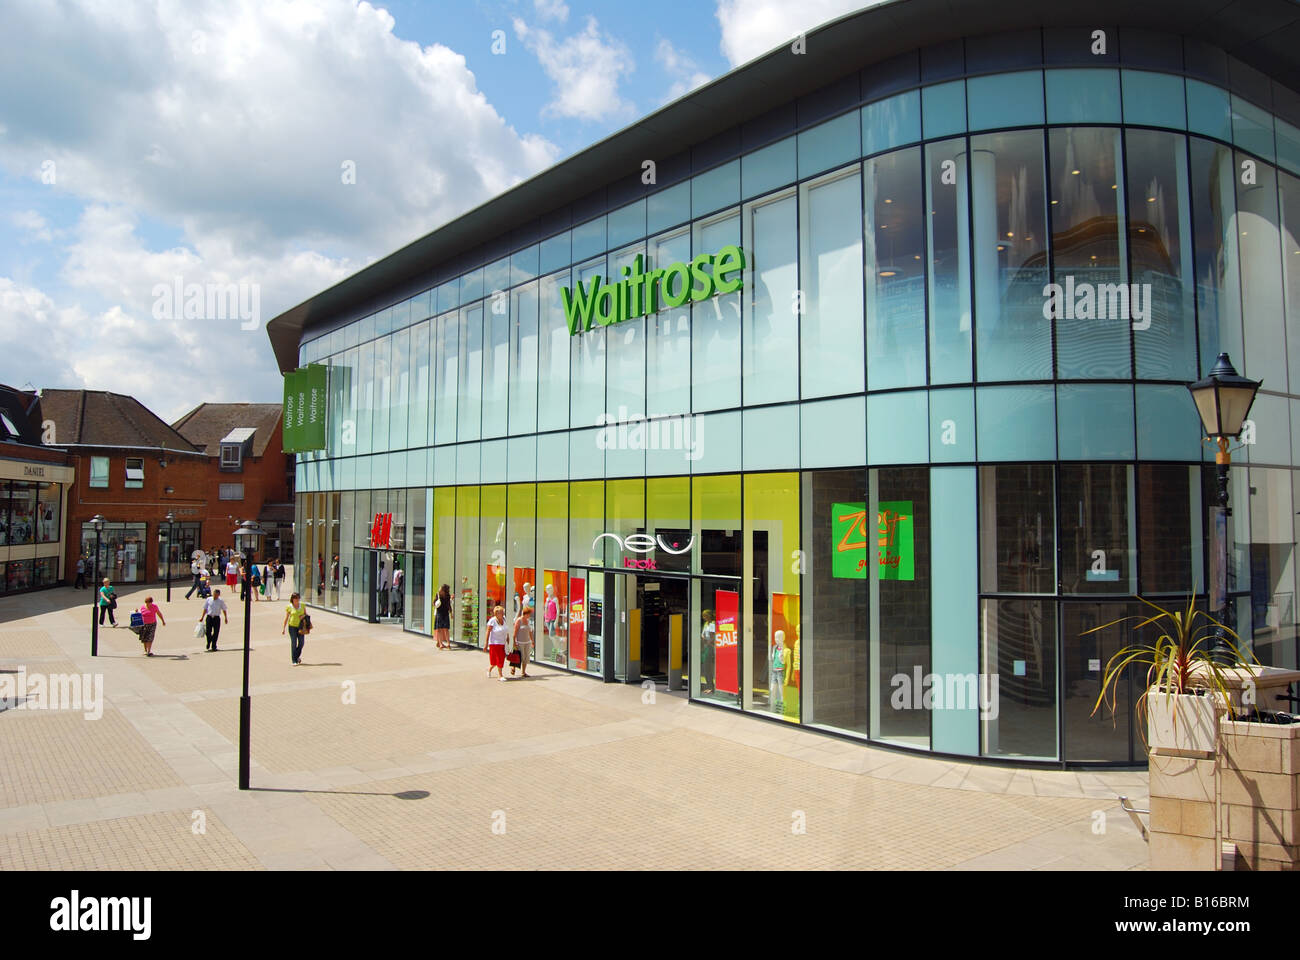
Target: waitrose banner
{"x":305,"y":408}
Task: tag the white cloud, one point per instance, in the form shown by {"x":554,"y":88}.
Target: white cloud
{"x":552,"y":9}
{"x":586,"y":69}
{"x":686,"y":76}
{"x":223,"y":124}
{"x":751,"y":28}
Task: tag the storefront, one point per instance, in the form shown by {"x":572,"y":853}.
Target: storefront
{"x":32,"y":503}
{"x":866,"y":409}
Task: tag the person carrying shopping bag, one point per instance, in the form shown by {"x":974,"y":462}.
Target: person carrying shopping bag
{"x":151,"y":616}
{"x":297,"y":623}
{"x":523,"y":640}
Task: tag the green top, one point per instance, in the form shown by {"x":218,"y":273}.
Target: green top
{"x":105,"y":596}
{"x":295,"y":614}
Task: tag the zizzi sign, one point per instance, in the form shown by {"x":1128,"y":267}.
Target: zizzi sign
{"x":642,"y":292}
{"x":643,"y":543}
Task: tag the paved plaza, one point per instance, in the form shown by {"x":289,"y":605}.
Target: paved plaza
{"x":382,"y":751}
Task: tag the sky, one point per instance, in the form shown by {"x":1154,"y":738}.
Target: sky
{"x":175,"y":173}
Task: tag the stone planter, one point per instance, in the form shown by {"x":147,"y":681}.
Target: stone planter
{"x":1182,"y":725}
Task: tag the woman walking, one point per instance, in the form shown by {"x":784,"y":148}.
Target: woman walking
{"x":523,"y":637}
{"x":151,"y":616}
{"x":495,"y":640}
{"x":255,"y":580}
{"x":442,"y":618}
{"x":293,"y":617}
{"x":107,"y":603}
{"x":277,"y":576}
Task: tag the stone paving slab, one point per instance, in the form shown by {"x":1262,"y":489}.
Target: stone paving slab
{"x":433,"y":765}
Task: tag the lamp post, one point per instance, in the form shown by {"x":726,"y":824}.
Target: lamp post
{"x":171,"y":524}
{"x":247,"y":538}
{"x":1223,"y":400}
{"x":97,"y":521}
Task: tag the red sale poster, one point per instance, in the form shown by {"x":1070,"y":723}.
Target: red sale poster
{"x":578,"y":623}
{"x":727,"y":642}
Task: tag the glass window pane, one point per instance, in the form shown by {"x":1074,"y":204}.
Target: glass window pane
{"x":471,"y":286}
{"x":627,"y":223}
{"x":1017,"y":529}
{"x":366,"y":397}
{"x":448,"y":296}
{"x":1105,"y":735}
{"x":1010,"y":262}
{"x":496,"y":365}
{"x":469,"y":403}
{"x":1090,"y":300}
{"x":492,"y":553}
{"x":1160,"y":249}
{"x":589,"y":239}
{"x":1097,"y":529}
{"x":1288,"y":145}
{"x":898,"y":427}
{"x":715,"y":326}
{"x":831,"y":327}
{"x":400,"y":391}
{"x":768,"y":168}
{"x":830,"y":144}
{"x":465,"y":624}
{"x":523,"y":264}
{"x":717,"y":188}
{"x":553,"y":359}
{"x":587,"y":360}
{"x":668,"y":337}
{"x":1252,"y":128}
{"x":770,"y":337}
{"x":948,"y":227}
{"x":1289,"y":198}
{"x":1218,"y":283}
{"x":667,"y":208}
{"x":943,"y":109}
{"x":555,"y":253}
{"x":1168,"y":427}
{"x":1170,"y":529}
{"x":1209,"y":110}
{"x":1261,"y":278}
{"x":523,"y":359}
{"x":625,"y":344}
{"x":892,"y":122}
{"x":1272,"y":567}
{"x":1005,"y":100}
{"x":1016,"y":423}
{"x":835,"y":659}
{"x":417,"y":434}
{"x":496,"y":277}
{"x":1095,"y":421}
{"x":771,"y":660}
{"x":1084,"y":96}
{"x":899,"y":511}
{"x":895,"y":270}
{"x":446,"y":377}
{"x":1153,"y":99}
{"x":552,"y":553}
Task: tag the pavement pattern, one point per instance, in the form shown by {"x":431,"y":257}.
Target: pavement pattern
{"x":383,"y":752}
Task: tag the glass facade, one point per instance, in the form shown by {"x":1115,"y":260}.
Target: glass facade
{"x":885,"y":487}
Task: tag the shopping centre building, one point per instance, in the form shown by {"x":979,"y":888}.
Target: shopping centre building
{"x":851,"y":388}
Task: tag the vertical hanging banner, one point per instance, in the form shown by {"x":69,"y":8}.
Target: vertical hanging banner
{"x":306,"y":406}
{"x":727,"y":642}
{"x":290,"y":419}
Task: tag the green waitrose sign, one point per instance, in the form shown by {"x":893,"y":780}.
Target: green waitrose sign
{"x":305,"y":408}
{"x":641,"y":292}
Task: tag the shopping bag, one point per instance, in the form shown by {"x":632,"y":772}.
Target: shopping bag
{"x":137,"y":620}
{"x":199,"y":631}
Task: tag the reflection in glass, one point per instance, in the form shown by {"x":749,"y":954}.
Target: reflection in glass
{"x":496,"y":364}
{"x":446,"y":377}
{"x":830,"y":271}
{"x":1218,"y":286}
{"x":553,"y":359}
{"x":626,"y":346}
{"x":1096,"y":528}
{"x":1008,"y":204}
{"x":1105,"y":735}
{"x":948,"y":224}
{"x":668,"y":337}
{"x":1018,"y":640}
{"x":894,"y":270}
{"x":523,"y":359}
{"x":1017,"y":529}
{"x":770,"y":339}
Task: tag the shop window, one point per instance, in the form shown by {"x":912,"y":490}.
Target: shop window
{"x":552,"y":587}
{"x":48,"y":512}
{"x":1170,"y":529}
{"x":99,"y":471}
{"x":1017,"y":529}
{"x":1106,"y":735}
{"x":1018,"y":646}
{"x":771,"y":662}
{"x":1097,"y":528}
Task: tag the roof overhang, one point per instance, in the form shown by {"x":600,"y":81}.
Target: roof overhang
{"x":1264,"y":34}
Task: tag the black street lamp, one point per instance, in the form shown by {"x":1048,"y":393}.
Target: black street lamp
{"x":247,"y":538}
{"x":167,"y":561}
{"x":1223,"y":400}
{"x":97,"y":521}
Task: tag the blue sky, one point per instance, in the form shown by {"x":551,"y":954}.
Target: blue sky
{"x":250,"y":153}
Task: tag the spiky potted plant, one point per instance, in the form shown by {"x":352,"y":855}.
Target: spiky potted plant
{"x":1188,"y":683}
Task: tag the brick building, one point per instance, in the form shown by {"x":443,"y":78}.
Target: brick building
{"x":134,"y":468}
{"x":34,"y":484}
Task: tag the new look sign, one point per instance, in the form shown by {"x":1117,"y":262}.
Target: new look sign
{"x":641,"y":292}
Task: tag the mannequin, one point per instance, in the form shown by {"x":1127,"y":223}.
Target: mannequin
{"x":776,"y":672}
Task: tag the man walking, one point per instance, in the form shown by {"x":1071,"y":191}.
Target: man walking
{"x":81,"y":574}
{"x":214,"y":609}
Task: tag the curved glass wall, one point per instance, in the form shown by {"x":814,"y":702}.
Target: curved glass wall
{"x":967,"y":316}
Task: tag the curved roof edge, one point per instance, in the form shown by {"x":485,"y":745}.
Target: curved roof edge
{"x":1264,"y":34}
